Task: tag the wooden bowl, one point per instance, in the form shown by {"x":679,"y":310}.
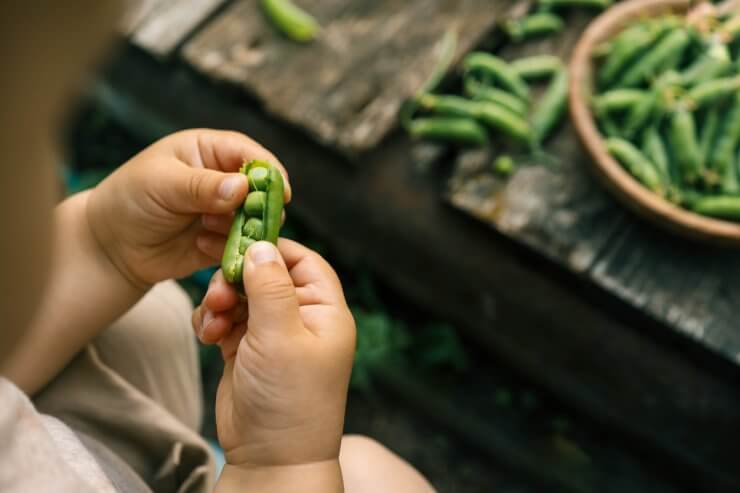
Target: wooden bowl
{"x":633,"y":194}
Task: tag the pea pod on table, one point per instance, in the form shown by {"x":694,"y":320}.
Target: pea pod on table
{"x":453,"y":129}
{"x":551,"y":107}
{"x":537,"y":66}
{"x":259,"y":218}
{"x":533,"y":25}
{"x":486,"y":66}
{"x":482,"y":92}
{"x":292,"y":21}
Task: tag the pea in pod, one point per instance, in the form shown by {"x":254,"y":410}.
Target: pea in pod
{"x":551,"y":107}
{"x":675,"y":41}
{"x":635,"y":162}
{"x":259,"y":218}
{"x":482,"y":92}
{"x":291,"y":20}
{"x":537,"y":66}
{"x":452,"y":129}
{"x":537,"y":24}
{"x":485,"y":65}
{"x":683,"y":141}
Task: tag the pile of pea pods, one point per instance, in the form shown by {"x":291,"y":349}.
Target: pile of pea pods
{"x":668,"y":103}
{"x":497,"y":101}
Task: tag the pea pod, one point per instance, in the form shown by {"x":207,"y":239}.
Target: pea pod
{"x":457,"y":130}
{"x":551,"y":107}
{"x":291,"y":20}
{"x":639,"y":115}
{"x":537,"y":24}
{"x":618,"y":100}
{"x":675,"y":41}
{"x":713,"y":90}
{"x":481,"y":92}
{"x":486,"y":65}
{"x":654,"y":149}
{"x":715,"y":63}
{"x":635,"y":162}
{"x":259,"y":218}
{"x":722,"y":206}
{"x":727,"y":139}
{"x":537,"y":67}
{"x":683,"y":142}
{"x":708,"y":134}
{"x":489,"y":114}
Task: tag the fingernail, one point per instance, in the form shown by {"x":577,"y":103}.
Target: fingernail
{"x":229,"y":186}
{"x":262,"y":252}
{"x":207,"y":319}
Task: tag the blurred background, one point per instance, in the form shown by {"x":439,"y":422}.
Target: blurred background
{"x":519,"y":330}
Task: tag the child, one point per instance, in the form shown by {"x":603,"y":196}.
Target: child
{"x":99,"y":338}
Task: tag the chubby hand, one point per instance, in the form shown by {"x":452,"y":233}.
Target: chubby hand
{"x":288,"y":355}
{"x":162,"y":214}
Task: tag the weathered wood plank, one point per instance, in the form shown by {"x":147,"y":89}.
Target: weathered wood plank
{"x":347,"y":86}
{"x":562,"y":213}
{"x":135,"y":12}
{"x":169,"y":22}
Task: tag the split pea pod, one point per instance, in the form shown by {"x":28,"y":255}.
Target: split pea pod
{"x":537,"y":24}
{"x":453,"y":129}
{"x":482,"y":92}
{"x":486,"y":66}
{"x":683,"y":142}
{"x":728,"y":137}
{"x":713,"y":90}
{"x":635,"y":162}
{"x":259,"y":218}
{"x":675,"y":41}
{"x":537,"y":66}
{"x":722,"y":206}
{"x":551,"y":107}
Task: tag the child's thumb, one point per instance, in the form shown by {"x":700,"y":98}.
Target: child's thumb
{"x":199,"y":191}
{"x":273,"y":305}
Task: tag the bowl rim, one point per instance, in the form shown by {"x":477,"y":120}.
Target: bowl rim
{"x":611,"y":174}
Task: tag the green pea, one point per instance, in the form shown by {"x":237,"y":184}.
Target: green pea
{"x":636,"y":163}
{"x":245,"y":243}
{"x":255,"y":203}
{"x":257,"y":178}
{"x":504,"y":165}
{"x":253,"y":228}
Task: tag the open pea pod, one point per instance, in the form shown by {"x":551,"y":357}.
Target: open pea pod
{"x":259,"y":218}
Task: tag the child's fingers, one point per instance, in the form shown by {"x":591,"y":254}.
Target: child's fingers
{"x":210,"y":327}
{"x":212,"y":244}
{"x":221,"y":296}
{"x":230,"y":343}
{"x":315,"y":280}
{"x":217,"y":223}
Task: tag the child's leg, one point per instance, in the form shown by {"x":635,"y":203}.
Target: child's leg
{"x":136,"y":390}
{"x":368,"y":467}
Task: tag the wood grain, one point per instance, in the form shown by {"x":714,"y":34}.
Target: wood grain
{"x":169,"y":22}
{"x":346,"y":87}
{"x":564,"y":214}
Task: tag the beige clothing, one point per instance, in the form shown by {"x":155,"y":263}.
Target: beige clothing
{"x":133,"y":398}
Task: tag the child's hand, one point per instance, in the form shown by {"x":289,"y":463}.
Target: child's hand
{"x":158,"y":216}
{"x":282,"y":397}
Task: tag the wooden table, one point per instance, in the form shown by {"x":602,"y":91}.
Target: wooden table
{"x":544,"y":270}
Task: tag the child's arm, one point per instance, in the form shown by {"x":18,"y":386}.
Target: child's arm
{"x":141,"y":225}
{"x":281,"y":401}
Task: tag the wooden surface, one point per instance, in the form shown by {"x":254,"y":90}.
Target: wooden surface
{"x":159,"y":26}
{"x":346,"y":87}
{"x":561,"y":212}
{"x":633,"y":376}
